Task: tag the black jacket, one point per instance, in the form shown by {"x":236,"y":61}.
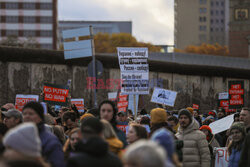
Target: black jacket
{"x":93,"y":153}
{"x":245,"y":152}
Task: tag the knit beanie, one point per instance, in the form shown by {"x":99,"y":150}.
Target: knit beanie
{"x":24,"y":139}
{"x":238,"y":125}
{"x":191,"y":110}
{"x":206,"y":127}
{"x":187,"y":113}
{"x":37,"y":107}
{"x":86,"y":116}
{"x":158,"y":115}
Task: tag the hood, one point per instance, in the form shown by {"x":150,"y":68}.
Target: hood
{"x":94,"y":146}
{"x":115,"y":143}
{"x":193,"y":126}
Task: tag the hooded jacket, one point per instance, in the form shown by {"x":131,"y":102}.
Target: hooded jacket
{"x":195,"y":150}
{"x":93,"y":153}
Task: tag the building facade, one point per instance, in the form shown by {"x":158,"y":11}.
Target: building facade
{"x":201,"y":21}
{"x":109,"y":27}
{"x":239,"y":34}
{"x":35,"y":19}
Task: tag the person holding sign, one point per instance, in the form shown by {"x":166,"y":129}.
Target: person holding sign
{"x":195,"y":150}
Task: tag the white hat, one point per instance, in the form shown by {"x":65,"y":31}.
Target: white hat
{"x":24,"y":139}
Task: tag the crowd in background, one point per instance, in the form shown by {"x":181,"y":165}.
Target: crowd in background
{"x":156,"y":138}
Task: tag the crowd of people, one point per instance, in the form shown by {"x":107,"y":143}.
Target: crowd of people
{"x":94,"y":138}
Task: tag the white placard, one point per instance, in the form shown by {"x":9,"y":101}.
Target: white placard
{"x":112,"y":96}
{"x":222,"y":124}
{"x":223,"y":96}
{"x":221,"y":157}
{"x":79,"y":103}
{"x":134,"y":70}
{"x":163,"y":96}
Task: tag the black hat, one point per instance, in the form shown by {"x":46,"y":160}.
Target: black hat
{"x":91,"y":125}
{"x":185,"y":112}
{"x":37,"y":107}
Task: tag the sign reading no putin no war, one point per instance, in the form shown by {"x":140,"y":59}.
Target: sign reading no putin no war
{"x":55,"y":94}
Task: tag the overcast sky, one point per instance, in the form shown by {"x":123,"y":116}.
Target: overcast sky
{"x":152,"y":20}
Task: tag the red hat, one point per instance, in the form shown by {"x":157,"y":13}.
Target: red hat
{"x":206,"y":127}
{"x":212,"y":113}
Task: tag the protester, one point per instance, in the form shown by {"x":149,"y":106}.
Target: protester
{"x":86,"y":115}
{"x":108,"y":112}
{"x":221,"y":113}
{"x":236,"y":117}
{"x":23,"y":143}
{"x":159,"y":120}
{"x":213,"y":113}
{"x":245,"y":154}
{"x":238,"y":133}
{"x":70,"y":120}
{"x":122,"y":118}
{"x":173,"y":122}
{"x":144,"y":154}
{"x":12,"y":118}
{"x":136,"y":132}
{"x":165,"y":138}
{"x":115,"y":145}
{"x":197,"y":117}
{"x":3,"y":130}
{"x":92,"y":150}
{"x":51,"y":146}
{"x":195,"y":150}
{"x":69,"y":146}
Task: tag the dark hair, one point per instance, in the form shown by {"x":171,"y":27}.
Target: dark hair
{"x":173,"y":118}
{"x":143,"y":112}
{"x":37,"y":107}
{"x":3,"y":129}
{"x":94,"y":111}
{"x":140,"y":130}
{"x":69,"y":115}
{"x":92,"y":126}
{"x":145,"y":120}
{"x":245,"y":108}
{"x":222,"y":110}
{"x":236,"y":115}
{"x":113,"y":120}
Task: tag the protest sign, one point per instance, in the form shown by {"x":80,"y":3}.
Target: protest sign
{"x":112,"y":96}
{"x":122,"y":103}
{"x":221,"y":157}
{"x":134,"y":70}
{"x":55,"y":94}
{"x":195,"y":106}
{"x":79,"y":103}
{"x":163,"y":96}
{"x":21,"y":100}
{"x":223,"y":95}
{"x":122,"y":127}
{"x":222,"y":124}
{"x":236,"y":94}
{"x":45,"y":109}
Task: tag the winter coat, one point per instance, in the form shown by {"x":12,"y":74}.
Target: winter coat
{"x":115,"y":146}
{"x":214,"y":143}
{"x":51,"y":147}
{"x":195,"y":149}
{"x":93,"y":153}
{"x":245,"y":153}
{"x":234,"y":158}
{"x":121,"y":136}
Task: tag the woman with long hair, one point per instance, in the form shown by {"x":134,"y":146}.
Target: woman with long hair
{"x":136,"y":132}
{"x":69,"y":145}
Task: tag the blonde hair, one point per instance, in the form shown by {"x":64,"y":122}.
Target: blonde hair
{"x":108,"y":130}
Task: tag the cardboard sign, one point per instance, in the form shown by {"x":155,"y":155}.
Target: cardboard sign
{"x":222,"y":124}
{"x":163,"y":96}
{"x":79,"y":104}
{"x":236,"y":94}
{"x":195,"y":106}
{"x":122,"y":103}
{"x":55,"y":94}
{"x":134,"y":70}
{"x":223,"y":96}
{"x":221,"y":157}
{"x":21,"y":100}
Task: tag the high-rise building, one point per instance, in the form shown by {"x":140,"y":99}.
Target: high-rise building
{"x":239,"y":28}
{"x":201,"y":21}
{"x":36,"y":19}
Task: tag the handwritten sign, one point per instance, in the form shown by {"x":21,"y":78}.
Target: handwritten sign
{"x":79,"y":103}
{"x":222,"y":124}
{"x":221,"y":157}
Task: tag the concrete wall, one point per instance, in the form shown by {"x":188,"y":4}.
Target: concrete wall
{"x":28,"y":78}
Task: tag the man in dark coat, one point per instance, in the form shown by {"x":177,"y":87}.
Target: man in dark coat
{"x":92,"y":150}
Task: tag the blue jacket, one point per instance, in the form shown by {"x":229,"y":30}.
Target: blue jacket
{"x":51,"y":147}
{"x":234,"y":158}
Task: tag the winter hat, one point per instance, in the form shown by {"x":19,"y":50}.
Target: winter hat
{"x":86,"y":116}
{"x":240,"y":126}
{"x":158,"y":115}
{"x":37,"y":107}
{"x":213,"y":113}
{"x":185,"y":112}
{"x":166,"y":140}
{"x":24,"y":139}
{"x":191,"y":110}
{"x":207,"y":128}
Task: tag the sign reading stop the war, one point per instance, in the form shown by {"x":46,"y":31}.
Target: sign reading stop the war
{"x":21,"y":100}
{"x":79,"y":103}
{"x":236,"y":94}
{"x":56,"y":94}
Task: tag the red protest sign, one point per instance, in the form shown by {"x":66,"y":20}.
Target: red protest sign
{"x":236,"y":94}
{"x":195,"y":106}
{"x":122,"y":127}
{"x":21,"y":100}
{"x":79,"y":103}
{"x":55,"y":94}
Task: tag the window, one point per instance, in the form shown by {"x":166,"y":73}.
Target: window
{"x":217,"y":3}
{"x":28,"y":33}
{"x":212,"y":21}
{"x":203,"y":1}
{"x":203,"y":19}
{"x":222,"y":3}
{"x":222,"y":21}
{"x":45,"y":33}
{"x":29,"y":6}
{"x":211,"y":29}
{"x":241,"y":14}
{"x":217,"y":12}
{"x":203,"y":28}
{"x":11,"y":5}
{"x":212,"y":12}
{"x":222,"y":12}
{"x":11,"y":33}
{"x":11,"y":19}
{"x":212,"y":3}
{"x":217,"y":21}
{"x":46,"y":6}
{"x":203,"y":10}
{"x":29,"y":19}
{"x":46,"y":19}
